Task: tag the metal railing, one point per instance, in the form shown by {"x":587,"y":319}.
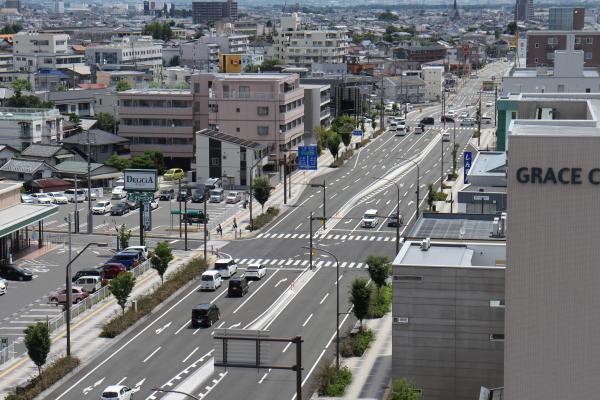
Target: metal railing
{"x":7,"y":353}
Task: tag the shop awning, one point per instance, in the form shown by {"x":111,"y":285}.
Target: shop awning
{"x":21,"y":215}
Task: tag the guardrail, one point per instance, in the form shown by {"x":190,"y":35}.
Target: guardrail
{"x":7,"y":353}
{"x":93,"y":299}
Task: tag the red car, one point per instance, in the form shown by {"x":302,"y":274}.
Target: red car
{"x":77,"y":294}
{"x":110,"y":270}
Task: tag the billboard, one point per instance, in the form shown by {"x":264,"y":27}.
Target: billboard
{"x":140,"y":180}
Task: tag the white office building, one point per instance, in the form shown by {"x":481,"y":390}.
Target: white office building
{"x":129,"y":50}
{"x":21,"y":127}
{"x":34,"y":50}
{"x":434,"y":82}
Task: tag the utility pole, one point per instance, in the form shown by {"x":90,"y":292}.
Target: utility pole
{"x":75,"y":201}
{"x":442,"y":163}
{"x":479,"y":122}
{"x":495,"y":104}
{"x":90,"y":218}
{"x":444,"y":108}
{"x":68,"y":286}
{"x":179,"y":200}
{"x":204,"y":223}
{"x":141,"y":223}
{"x":284,"y":178}
{"x":186,"y":228}
{"x":382,"y":109}
{"x":310,"y":241}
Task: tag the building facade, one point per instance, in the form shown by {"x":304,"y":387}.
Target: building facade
{"x":566,"y":18}
{"x":317,"y":112}
{"x":158,"y":119}
{"x":524,"y":10}
{"x":433,"y":77}
{"x":132,"y":51}
{"x":541,"y":46}
{"x":21,"y":127}
{"x":211,"y":11}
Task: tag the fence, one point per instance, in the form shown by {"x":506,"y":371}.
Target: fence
{"x":93,"y":299}
{"x":7,"y":353}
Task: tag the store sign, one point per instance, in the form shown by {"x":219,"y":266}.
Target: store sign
{"x":140,"y":180}
{"x":563,"y":176}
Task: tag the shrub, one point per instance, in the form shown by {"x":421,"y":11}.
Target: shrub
{"x":52,"y":374}
{"x":146,"y":303}
{"x":362,"y":341}
{"x":264,"y":218}
{"x":380,"y":305}
{"x":347,"y":347}
{"x":333,"y":382}
{"x":338,"y":162}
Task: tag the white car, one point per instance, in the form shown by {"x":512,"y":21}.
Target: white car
{"x":116,"y":392}
{"x":489,"y":104}
{"x":464,"y":115}
{"x":144,"y":250}
{"x":451,"y":113}
{"x":255,"y":271}
{"x":58,"y":198}
{"x":27,"y":199}
{"x":226,"y":267}
{"x":370,"y":219}
{"x":41,"y":198}
{"x":2,"y":286}
{"x":153,"y":205}
{"x":102,"y":207}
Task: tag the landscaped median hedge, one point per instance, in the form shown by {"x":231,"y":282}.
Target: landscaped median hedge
{"x":333,"y":382}
{"x":355,"y":344}
{"x":380,"y":303}
{"x":146,"y":303}
{"x":264,"y":218}
{"x":50,"y":375}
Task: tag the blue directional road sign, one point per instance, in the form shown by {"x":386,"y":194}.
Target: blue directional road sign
{"x":307,"y":158}
{"x":468,"y":159}
{"x":357,"y":132}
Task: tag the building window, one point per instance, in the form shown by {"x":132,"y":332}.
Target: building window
{"x":550,"y":56}
{"x":196,"y":88}
{"x":408,"y":278}
{"x":560,"y":89}
{"x":400,"y":320}
{"x":588,"y":90}
{"x":263,"y":130}
{"x":589,"y":40}
{"x":578,"y":40}
{"x":263,"y":110}
{"x":213,"y":107}
{"x":196,"y":106}
{"x":537,"y":45}
{"x":244,"y":92}
{"x":588,"y":55}
{"x":214,"y":161}
{"x":497,"y":303}
{"x":237,"y":129}
{"x":496,"y":337}
{"x":237,"y":110}
{"x":537,"y":60}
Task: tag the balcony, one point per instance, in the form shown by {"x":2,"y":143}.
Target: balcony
{"x":325,"y":113}
{"x":243,"y":96}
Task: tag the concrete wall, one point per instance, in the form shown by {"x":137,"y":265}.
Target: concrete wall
{"x":445,"y":348}
{"x":552,"y":296}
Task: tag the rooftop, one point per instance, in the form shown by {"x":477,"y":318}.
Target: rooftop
{"x":491,"y":163}
{"x":446,"y":254}
{"x":99,"y":136}
{"x":231,"y":139}
{"x":158,"y":91}
{"x":454,"y":226}
{"x":41,"y":150}
{"x":23,"y":166}
{"x":18,"y":114}
{"x":76,"y":167}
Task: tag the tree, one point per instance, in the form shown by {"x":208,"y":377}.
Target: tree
{"x":402,"y":390}
{"x":117,"y":162}
{"x":360,"y":296}
{"x":149,"y":160}
{"x":321,"y":138}
{"x":121,"y":286}
{"x":11,"y":28}
{"x":270,"y":65}
{"x":174,"y":61}
{"x":512,"y":27}
{"x":74,"y":118}
{"x":342,"y":122}
{"x":430,"y":196}
{"x":161,"y":258}
{"x":37,"y":342}
{"x":19,"y":85}
{"x":106,"y":122}
{"x":122,"y":86}
{"x":333,"y":143}
{"x":395,"y":108}
{"x":346,"y":136}
{"x":387,"y":16}
{"x":261,"y":190}
{"x":454,"y":158}
{"x":159,"y":31}
{"x":379,"y":270}
{"x":27,"y":101}
{"x":123,"y":236}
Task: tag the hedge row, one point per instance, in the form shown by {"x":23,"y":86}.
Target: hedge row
{"x":50,"y":375}
{"x":264,"y":218}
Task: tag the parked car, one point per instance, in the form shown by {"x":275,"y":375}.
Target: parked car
{"x":183,"y":195}
{"x":15,"y":273}
{"x":130,"y":259}
{"x":112,"y":269}
{"x":58,"y":198}
{"x":238,"y":287}
{"x":81,"y":195}
{"x":41,"y":198}
{"x":141,"y":249}
{"x":226,"y":267}
{"x":26,"y":199}
{"x":3,"y":286}
{"x":87,"y":272}
{"x":89,"y":283}
{"x":77,"y":294}
{"x":101,"y":207}
{"x":133,"y":205}
{"x":233,"y":197}
{"x":119,"y":209}
{"x":174,"y":174}
{"x":428,"y":121}
{"x":198,"y":194}
{"x":255,"y":271}
{"x":117,"y":392}
{"x":153,"y":205}
{"x":210,"y":280}
{"x":446,"y":118}
{"x":205,"y":314}
{"x":166,"y":194}
{"x":118,"y":193}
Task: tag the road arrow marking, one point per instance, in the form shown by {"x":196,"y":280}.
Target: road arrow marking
{"x":159,"y":330}
{"x":138,"y":386}
{"x":235,"y":325}
{"x":90,"y":388}
{"x":280,"y":281}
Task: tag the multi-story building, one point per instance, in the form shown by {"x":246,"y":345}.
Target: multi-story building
{"x":38,"y":50}
{"x":204,"y":52}
{"x":542,"y":44}
{"x":20,"y":127}
{"x":81,"y":102}
{"x":158,"y":119}
{"x":552,"y":299}
{"x":16,"y":4}
{"x":231,"y":44}
{"x":317,"y":112}
{"x":135,"y":51}
{"x":235,"y":63}
{"x":263,"y":108}
{"x":524,"y":10}
{"x":211,"y":11}
{"x":421,"y":54}
{"x":434,"y":82}
{"x":566,"y":18}
{"x":303,"y":47}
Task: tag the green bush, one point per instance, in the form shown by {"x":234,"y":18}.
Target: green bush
{"x":333,"y":382}
{"x":362,"y":341}
{"x":52,"y":374}
{"x":338,"y":162}
{"x":264,"y":218}
{"x":146,"y":303}
{"x":347,"y":346}
{"x":441,"y":196}
{"x":380,"y":305}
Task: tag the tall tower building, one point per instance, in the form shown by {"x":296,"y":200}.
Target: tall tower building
{"x":523,"y":10}
{"x":454,"y":14}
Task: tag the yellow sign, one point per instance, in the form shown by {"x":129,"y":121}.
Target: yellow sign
{"x":230,"y":63}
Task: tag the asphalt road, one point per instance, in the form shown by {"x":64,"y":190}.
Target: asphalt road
{"x":165,"y":352}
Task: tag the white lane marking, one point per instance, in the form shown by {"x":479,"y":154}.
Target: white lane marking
{"x":122,"y":380}
{"x":307,"y":319}
{"x":191,"y":354}
{"x":255,"y":291}
{"x":182,"y":326}
{"x":287,"y":346}
{"x":151,"y":354}
{"x":159,"y":330}
{"x":280,"y":281}
{"x":323,"y":299}
{"x":235,"y":325}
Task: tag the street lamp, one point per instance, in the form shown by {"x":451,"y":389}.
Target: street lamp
{"x":397,"y":210}
{"x":337,"y":303}
{"x":418,"y":174}
{"x":68,"y":282}
{"x":251,"y":190}
{"x":321,"y":185}
{"x":175,"y":391}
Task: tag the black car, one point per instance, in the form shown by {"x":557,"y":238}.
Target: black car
{"x":183,"y":195}
{"x":166,"y":194}
{"x":15,"y":273}
{"x":428,"y":121}
{"x":198,"y":194}
{"x":87,"y":272}
{"x":119,"y":209}
{"x":205,"y":314}
{"x":393,"y":221}
{"x":446,"y":118}
{"x":238,"y":286}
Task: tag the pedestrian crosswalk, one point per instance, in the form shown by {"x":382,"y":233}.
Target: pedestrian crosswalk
{"x":330,"y":236}
{"x":295,"y":262}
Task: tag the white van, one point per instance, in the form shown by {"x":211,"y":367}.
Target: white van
{"x":89,"y":283}
{"x":393,"y":126}
{"x":81,"y":195}
{"x":445,"y":137}
{"x":226,"y":267}
{"x":118,"y":193}
{"x":210,"y":280}
{"x":400,"y":130}
{"x":217,"y":195}
{"x":370,"y":219}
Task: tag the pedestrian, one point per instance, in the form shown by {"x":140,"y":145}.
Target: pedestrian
{"x":234,"y":224}
{"x":219,"y":230}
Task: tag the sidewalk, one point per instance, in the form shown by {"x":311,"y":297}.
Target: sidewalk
{"x":85,"y":342}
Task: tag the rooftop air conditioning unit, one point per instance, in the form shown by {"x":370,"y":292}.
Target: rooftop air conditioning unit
{"x":495,"y":227}
{"x":426,"y":244}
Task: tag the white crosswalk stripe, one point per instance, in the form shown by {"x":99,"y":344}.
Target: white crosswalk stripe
{"x":272,"y":262}
{"x":288,"y":235}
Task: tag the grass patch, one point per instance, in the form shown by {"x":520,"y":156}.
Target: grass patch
{"x":333,"y":382}
{"x":440,"y":196}
{"x":146,"y":303}
{"x":377,"y":133}
{"x":355,"y":344}
{"x":476,"y":134}
{"x":50,"y":375}
{"x":338,"y":162}
{"x":264,"y":218}
{"x":380,"y":304}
